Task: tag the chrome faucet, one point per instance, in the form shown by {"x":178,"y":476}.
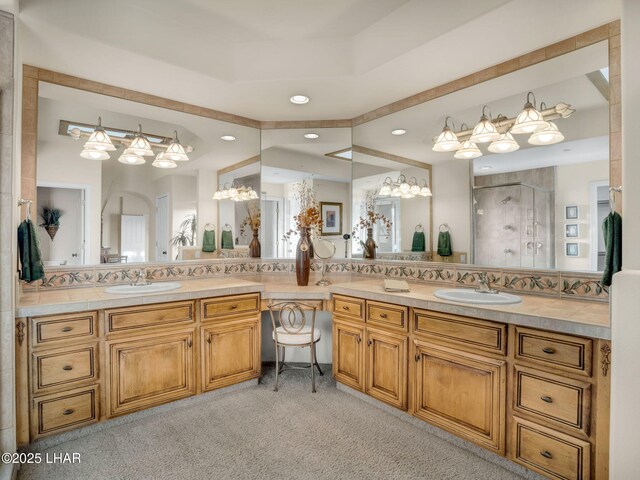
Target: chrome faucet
{"x":141,"y":279}
{"x":484,"y":284}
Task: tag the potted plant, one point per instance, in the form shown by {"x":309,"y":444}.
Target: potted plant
{"x":252,"y":221}
{"x":186,"y":236}
{"x":50,"y":217}
{"x":367,"y":222}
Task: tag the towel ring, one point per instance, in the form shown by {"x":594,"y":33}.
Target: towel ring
{"x":227,"y":227}
{"x":419,"y":228}
{"x":209,"y":226}
{"x":445,"y":226}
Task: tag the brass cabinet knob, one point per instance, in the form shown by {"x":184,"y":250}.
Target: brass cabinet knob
{"x":68,"y":411}
{"x":209,"y":339}
{"x":369,"y":343}
{"x":546,"y":398}
{"x":546,"y":454}
{"x":359,"y":339}
{"x":417,"y":357}
{"x":549,"y":350}
{"x":67,"y":367}
{"x":189,"y":343}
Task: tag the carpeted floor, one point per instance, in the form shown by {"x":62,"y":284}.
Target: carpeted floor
{"x":256,"y":433}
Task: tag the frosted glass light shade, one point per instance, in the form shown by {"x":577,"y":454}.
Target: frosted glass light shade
{"x":485,"y":131}
{"x":548,"y":136}
{"x":426,"y":191}
{"x":99,"y":140}
{"x":129,"y":158}
{"x":504,"y":144}
{"x":530,"y":120}
{"x":91,"y":154}
{"x":161,"y":162}
{"x":467,"y":151}
{"x":140,"y":145}
{"x":447,"y":141}
{"x":175,"y":151}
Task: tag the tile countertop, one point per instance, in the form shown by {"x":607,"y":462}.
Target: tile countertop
{"x":575,"y":317}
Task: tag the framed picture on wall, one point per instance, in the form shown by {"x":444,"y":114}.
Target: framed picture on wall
{"x":572,"y":249}
{"x":572,"y":230}
{"x":571,"y":212}
{"x":331,"y":218}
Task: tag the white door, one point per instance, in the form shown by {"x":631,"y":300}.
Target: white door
{"x":133,"y":238}
{"x":162,"y":228}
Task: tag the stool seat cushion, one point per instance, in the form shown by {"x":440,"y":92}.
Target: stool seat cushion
{"x":301,"y":338}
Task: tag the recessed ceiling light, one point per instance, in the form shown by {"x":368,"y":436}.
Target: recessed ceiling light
{"x":228,"y":138}
{"x":398,"y":131}
{"x":311,"y":136}
{"x":486,"y":167}
{"x":299,"y":99}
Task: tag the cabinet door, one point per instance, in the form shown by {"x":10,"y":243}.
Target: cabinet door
{"x":461,"y":392}
{"x":149,"y":371}
{"x":348,"y":354}
{"x":231,"y":353}
{"x":386,"y":370}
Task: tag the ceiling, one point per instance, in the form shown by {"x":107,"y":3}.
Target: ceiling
{"x":248,"y":57}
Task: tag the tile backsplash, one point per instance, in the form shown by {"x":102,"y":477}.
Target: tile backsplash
{"x":584,"y":286}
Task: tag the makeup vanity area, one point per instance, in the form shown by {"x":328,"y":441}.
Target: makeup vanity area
{"x":527,"y":381}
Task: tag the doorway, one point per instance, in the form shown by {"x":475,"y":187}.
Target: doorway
{"x":162,"y":228}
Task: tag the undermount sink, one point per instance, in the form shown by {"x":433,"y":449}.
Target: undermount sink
{"x":465,"y":295}
{"x":146,"y":288}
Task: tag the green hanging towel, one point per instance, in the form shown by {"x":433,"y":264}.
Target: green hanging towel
{"x":419,"y":242}
{"x":612,"y":230}
{"x":226,"y":239}
{"x":209,"y":241}
{"x":444,"y":244}
{"x":29,"y":249}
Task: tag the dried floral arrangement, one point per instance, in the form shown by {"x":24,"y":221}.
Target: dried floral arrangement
{"x":372,"y":218}
{"x":309,"y":215}
{"x":252,"y":220}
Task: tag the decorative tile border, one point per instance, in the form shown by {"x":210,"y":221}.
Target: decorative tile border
{"x":578,"y":286}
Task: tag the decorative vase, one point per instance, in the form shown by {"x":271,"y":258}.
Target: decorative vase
{"x":254,"y":246}
{"x":311,"y":250}
{"x":52,"y":230}
{"x":303,"y":258}
{"x":369,"y":245}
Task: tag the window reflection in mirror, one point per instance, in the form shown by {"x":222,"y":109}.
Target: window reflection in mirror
{"x":123,"y":213}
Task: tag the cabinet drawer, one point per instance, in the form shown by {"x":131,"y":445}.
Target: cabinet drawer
{"x":349,"y":307}
{"x":558,"y":400}
{"x":233,"y":306}
{"x":554,"y":350}
{"x":53,"y":330}
{"x":468,"y":332}
{"x":551,"y":453}
{"x":162,"y":314}
{"x":55,"y":368}
{"x":63,"y":411}
{"x":386,"y":315}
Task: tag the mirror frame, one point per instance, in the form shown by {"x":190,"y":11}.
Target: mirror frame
{"x":610,"y":32}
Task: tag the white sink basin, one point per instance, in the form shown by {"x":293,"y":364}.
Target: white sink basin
{"x":465,"y":295}
{"x":140,"y":289}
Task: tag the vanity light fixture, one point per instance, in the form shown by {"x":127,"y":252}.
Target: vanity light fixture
{"x":130,"y":158}
{"x":228,"y":138}
{"x":485,"y":131}
{"x":175,"y":151}
{"x":299,"y":99}
{"x":94,"y":154}
{"x":237,"y":194}
{"x":162,"y":162}
{"x":447,"y":141}
{"x":467,"y":150}
{"x":548,"y":136}
{"x":398,"y":131}
{"x":530,"y":120}
{"x":403,"y":188}
{"x":140,"y":145}
{"x":504,"y":144}
{"x":311,"y":136}
{"x":99,"y":140}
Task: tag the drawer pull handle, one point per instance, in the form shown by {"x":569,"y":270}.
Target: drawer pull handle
{"x":359,"y":339}
{"x":417,"y":357}
{"x":369,"y":343}
{"x":383,"y":315}
{"x":546,"y":454}
{"x":549,"y":350}
{"x":68,"y":411}
{"x":233,"y":307}
{"x":67,"y":367}
{"x":209,"y":339}
{"x":67,"y":329}
{"x":546,"y":398}
{"x":344,"y":307}
{"x":189,"y":343}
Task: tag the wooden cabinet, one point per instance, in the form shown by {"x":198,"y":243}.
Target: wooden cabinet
{"x":386,"y":367}
{"x":348,"y":354}
{"x":150,"y":370}
{"x":349,"y":308}
{"x":230,"y":353}
{"x":462,"y":392}
{"x":59,"y":412}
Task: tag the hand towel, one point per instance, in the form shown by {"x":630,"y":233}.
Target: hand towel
{"x":29,"y":250}
{"x":226,"y":239}
{"x":419,"y":242}
{"x":444,"y":244}
{"x":612,"y":229}
{"x":209,"y":241}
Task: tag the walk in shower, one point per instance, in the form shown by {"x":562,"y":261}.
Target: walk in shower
{"x":513,"y":226}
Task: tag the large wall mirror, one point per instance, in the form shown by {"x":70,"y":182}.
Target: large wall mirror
{"x":540,"y":202}
{"x":126,"y":208}
{"x":297,"y":163}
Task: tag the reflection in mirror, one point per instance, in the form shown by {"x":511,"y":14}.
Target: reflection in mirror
{"x":324,"y":249}
{"x":297,"y":163}
{"x":541,"y":202}
{"x":122,"y":206}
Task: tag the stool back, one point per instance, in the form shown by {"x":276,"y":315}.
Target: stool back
{"x":292,"y":318}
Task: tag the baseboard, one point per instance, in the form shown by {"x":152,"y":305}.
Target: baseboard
{"x":444,"y":435}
